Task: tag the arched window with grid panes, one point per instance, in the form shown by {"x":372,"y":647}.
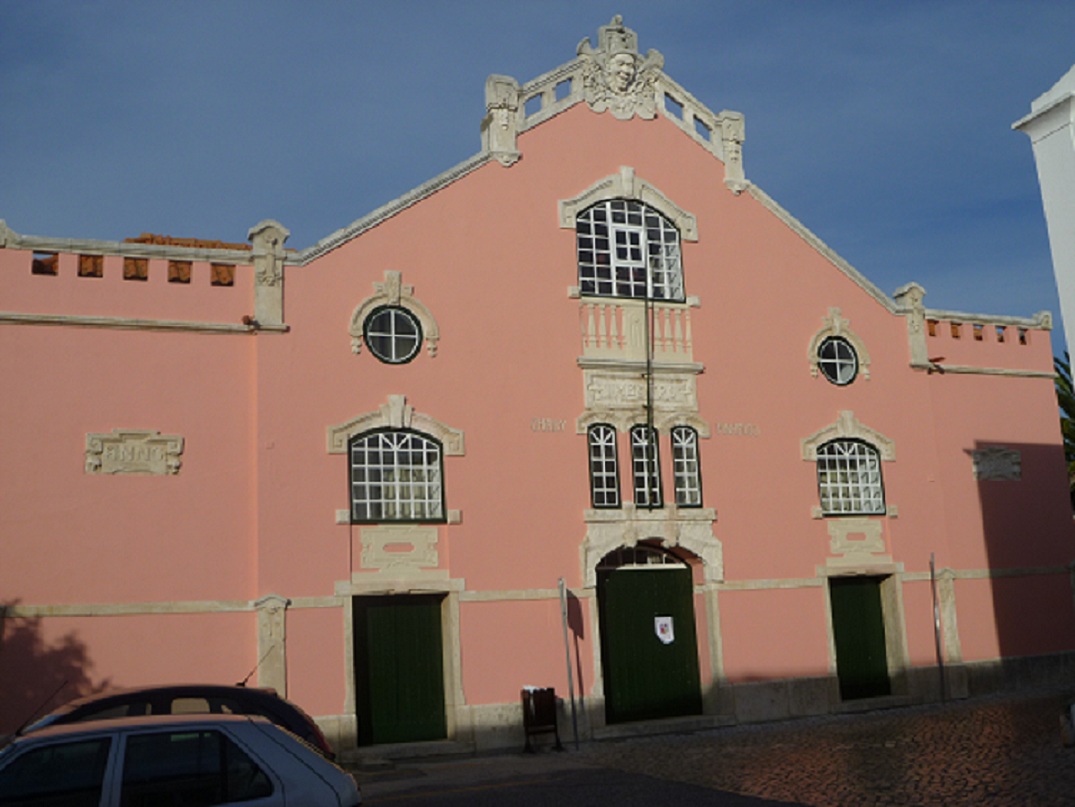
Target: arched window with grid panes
{"x":628,"y":249}
{"x":849,"y":478}
{"x":645,"y":467}
{"x":686,"y":467}
{"x":604,"y":466}
{"x":396,"y":475}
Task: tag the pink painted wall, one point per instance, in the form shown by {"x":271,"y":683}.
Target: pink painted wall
{"x":125,"y":538}
{"x":253,"y":510}
{"x":510,"y":645}
{"x":774,"y":634}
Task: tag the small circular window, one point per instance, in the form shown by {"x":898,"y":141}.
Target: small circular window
{"x":393,"y":334}
{"x":838,"y":360}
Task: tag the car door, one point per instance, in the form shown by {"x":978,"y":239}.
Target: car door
{"x":196,"y":766}
{"x":63,"y":772}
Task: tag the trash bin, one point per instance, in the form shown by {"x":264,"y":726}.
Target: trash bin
{"x":539,"y":714}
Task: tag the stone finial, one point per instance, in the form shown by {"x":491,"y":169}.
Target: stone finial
{"x":910,"y":298}
{"x":732,"y":135}
{"x":616,"y":77}
{"x":268,"y":238}
{"x":7,"y":235}
{"x":500,"y":126}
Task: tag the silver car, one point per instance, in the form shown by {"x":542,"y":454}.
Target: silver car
{"x":193,"y":760}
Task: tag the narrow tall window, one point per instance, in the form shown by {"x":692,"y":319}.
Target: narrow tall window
{"x":849,"y":478}
{"x":685,"y":467}
{"x":396,"y":476}
{"x":604,"y":467}
{"x":628,"y":249}
{"x":645,"y":468}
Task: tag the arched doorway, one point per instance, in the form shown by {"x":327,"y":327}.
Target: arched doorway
{"x":649,"y":648}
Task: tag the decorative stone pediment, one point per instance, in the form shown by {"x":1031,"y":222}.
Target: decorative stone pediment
{"x":997,"y":464}
{"x":393,"y":291}
{"x":396,"y":413}
{"x":627,"y":185}
{"x":131,"y":451}
{"x":848,"y":427}
{"x":616,"y":77}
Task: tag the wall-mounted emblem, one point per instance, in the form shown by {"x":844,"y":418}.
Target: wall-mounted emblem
{"x":665,"y":629}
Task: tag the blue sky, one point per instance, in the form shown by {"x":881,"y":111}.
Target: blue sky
{"x":883,"y":126}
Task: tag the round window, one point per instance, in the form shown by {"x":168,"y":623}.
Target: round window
{"x":838,"y":360}
{"x":393,"y":334}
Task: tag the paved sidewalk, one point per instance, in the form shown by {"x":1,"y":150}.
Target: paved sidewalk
{"x":999,"y":750}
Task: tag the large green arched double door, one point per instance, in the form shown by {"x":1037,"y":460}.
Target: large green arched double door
{"x":649,"y":648}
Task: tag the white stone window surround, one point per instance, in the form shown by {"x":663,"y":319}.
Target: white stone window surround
{"x":626,"y":185}
{"x":835,"y":326}
{"x":848,"y":428}
{"x":396,"y":414}
{"x":627,"y":249}
{"x":604,"y":466}
{"x":393,"y":293}
{"x":646,"y":467}
{"x":396,"y":476}
{"x":838,"y":361}
{"x":849,"y":478}
{"x":393,"y":334}
{"x":686,"y":467}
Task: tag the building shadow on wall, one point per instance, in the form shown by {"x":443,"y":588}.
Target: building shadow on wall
{"x":1030,"y":544}
{"x":36,"y":676}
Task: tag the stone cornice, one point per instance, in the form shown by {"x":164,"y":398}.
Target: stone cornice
{"x":88,"y":246}
{"x":132,"y":324}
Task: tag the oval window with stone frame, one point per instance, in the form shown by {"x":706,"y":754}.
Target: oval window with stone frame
{"x":393,"y":334}
{"x":837,"y":360}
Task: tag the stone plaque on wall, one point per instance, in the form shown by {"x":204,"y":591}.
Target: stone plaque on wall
{"x":130,"y":451}
{"x":607,"y":390}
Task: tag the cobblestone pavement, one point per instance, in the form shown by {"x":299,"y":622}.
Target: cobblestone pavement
{"x":1000,"y":750}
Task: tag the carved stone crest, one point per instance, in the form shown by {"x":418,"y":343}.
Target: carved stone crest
{"x":616,"y":77}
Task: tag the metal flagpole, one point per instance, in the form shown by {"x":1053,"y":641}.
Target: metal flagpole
{"x":567,"y":656}
{"x":937,"y":626}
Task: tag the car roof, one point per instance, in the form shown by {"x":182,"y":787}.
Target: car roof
{"x":118,"y":724}
{"x":172,"y":689}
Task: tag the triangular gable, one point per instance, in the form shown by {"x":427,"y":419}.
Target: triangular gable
{"x":614,"y":78}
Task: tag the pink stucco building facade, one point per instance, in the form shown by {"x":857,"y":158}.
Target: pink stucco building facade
{"x":596,"y":353}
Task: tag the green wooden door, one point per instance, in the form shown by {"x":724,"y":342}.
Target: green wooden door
{"x":858,"y":626}
{"x":399,"y":669}
{"x":646,"y":678}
